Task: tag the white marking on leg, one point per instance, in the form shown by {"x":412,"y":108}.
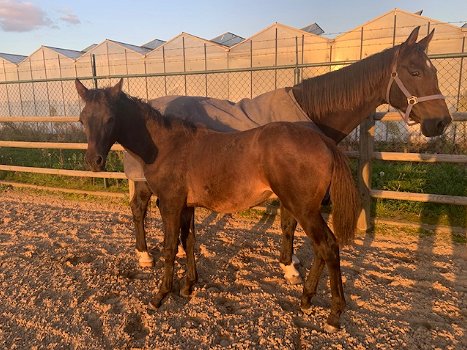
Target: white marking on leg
{"x":428,"y":63}
{"x":291,"y":273}
{"x":181,"y":252}
{"x":330,"y":329}
{"x":144,"y":259}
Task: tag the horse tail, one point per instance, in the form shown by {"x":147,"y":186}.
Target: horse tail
{"x":344,"y":198}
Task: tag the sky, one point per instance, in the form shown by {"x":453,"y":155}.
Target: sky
{"x":25,"y":25}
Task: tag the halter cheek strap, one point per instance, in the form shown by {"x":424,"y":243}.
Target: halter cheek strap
{"x":411,"y":100}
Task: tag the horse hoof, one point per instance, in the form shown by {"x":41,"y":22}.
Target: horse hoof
{"x":145,"y":259}
{"x":146,"y":263}
{"x":185,"y":293}
{"x":293,"y":280}
{"x":156,"y":302}
{"x":291,"y":274}
{"x":152,"y":307}
{"x":330,"y":329}
{"x":295,"y":260}
{"x":180,"y":252}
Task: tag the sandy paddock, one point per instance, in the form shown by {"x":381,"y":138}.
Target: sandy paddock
{"x":69,"y":279}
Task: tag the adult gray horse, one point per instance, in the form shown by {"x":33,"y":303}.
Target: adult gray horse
{"x":336,"y":102}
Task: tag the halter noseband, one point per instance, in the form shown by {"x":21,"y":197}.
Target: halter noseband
{"x":411,"y":100}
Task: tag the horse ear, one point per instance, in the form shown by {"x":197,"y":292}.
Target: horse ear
{"x":426,"y":40}
{"x":412,"y":39}
{"x":82,"y":90}
{"x":115,"y":90}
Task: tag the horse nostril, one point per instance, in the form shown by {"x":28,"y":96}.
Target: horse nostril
{"x":442,"y":124}
{"x":99,"y":160}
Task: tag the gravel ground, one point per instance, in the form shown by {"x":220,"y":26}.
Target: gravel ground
{"x":69,"y":279}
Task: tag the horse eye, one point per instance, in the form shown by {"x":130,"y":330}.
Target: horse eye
{"x":415,"y":73}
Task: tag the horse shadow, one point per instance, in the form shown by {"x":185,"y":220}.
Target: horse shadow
{"x":428,"y":260}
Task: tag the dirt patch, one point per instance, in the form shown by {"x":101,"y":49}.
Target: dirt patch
{"x":69,"y":279}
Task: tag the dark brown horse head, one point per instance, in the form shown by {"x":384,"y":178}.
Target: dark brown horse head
{"x":414,"y":88}
{"x":99,"y":121}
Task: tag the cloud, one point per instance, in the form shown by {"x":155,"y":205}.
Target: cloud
{"x":19,"y":16}
{"x":70,"y":18}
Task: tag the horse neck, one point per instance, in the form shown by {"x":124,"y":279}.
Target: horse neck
{"x":339,"y":101}
{"x":337,"y":125}
{"x":133,"y":132}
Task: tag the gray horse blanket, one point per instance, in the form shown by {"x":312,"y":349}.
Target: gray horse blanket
{"x":224,"y":115}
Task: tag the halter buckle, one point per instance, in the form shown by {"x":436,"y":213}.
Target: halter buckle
{"x":412,"y":100}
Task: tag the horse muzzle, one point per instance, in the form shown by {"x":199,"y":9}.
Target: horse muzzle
{"x":96,"y":162}
{"x":436,"y":126}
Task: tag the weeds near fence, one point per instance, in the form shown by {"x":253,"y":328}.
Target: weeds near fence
{"x":441,"y":178}
{"x":54,"y":158}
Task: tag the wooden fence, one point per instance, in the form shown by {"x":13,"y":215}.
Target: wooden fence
{"x":365,"y":155}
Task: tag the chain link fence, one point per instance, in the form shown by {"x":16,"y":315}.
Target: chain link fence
{"x":58,"y":97}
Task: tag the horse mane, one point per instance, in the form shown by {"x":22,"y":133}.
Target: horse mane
{"x":343,"y":89}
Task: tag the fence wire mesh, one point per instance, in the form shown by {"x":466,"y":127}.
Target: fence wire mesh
{"x":58,"y":97}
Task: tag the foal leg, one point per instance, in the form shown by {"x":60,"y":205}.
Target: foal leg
{"x":183,"y":235}
{"x":186,"y":226}
{"x":311,"y":284}
{"x":287,"y":260}
{"x":171,"y":223}
{"x":327,"y":250}
{"x":139,"y":205}
{"x":188,"y":242}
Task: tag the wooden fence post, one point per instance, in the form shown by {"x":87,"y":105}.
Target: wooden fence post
{"x":367,"y":133}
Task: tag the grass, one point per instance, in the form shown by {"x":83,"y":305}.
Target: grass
{"x":55,"y":159}
{"x":447,"y":179}
{"x":60,"y":159}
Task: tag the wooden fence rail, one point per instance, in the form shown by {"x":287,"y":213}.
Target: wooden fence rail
{"x":51,"y":145}
{"x":365,"y":155}
{"x":64,"y":172}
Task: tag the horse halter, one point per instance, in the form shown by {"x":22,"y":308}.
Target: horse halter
{"x":411,"y":99}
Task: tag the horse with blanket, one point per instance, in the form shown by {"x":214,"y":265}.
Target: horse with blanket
{"x":336,"y":103}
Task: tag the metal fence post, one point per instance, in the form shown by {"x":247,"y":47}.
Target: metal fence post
{"x":6,"y":88}
{"x":205,"y":69}
{"x":296,"y":76}
{"x":94,"y":71}
{"x":461,"y":68}
{"x":46,"y":83}
{"x":184,"y":65}
{"x":251,"y":68}
{"x":165,"y":69}
{"x":275,"y":62}
{"x":61,"y":84}
{"x":367,"y":133}
{"x":32,"y":86}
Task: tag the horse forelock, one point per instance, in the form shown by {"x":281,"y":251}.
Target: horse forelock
{"x":348,"y":87}
{"x":95,"y":95}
